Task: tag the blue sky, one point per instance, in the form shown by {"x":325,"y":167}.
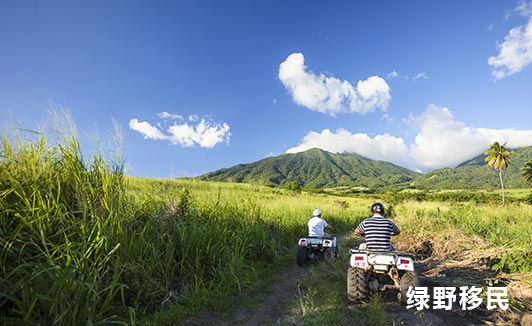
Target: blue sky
{"x":201,"y":85}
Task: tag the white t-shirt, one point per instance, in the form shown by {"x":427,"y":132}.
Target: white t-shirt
{"x":316,"y":226}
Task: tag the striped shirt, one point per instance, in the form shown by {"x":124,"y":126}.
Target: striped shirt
{"x":378,"y":231}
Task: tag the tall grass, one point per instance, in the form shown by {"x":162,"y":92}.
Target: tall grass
{"x":83,"y":244}
{"x":507,"y":227}
{"x":58,"y":217}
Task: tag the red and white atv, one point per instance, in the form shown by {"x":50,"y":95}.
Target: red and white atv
{"x":379,"y":271}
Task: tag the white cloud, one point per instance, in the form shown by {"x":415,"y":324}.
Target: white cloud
{"x":146,"y":129}
{"x":166,"y":115}
{"x":443,"y":142}
{"x":515,"y":53}
{"x":440,"y":141}
{"x":388,"y":118}
{"x":524,"y":8}
{"x":393,"y":74}
{"x":205,"y":133}
{"x":331,"y":95}
{"x":381,"y":147}
{"x":512,"y":137}
{"x":421,"y":75}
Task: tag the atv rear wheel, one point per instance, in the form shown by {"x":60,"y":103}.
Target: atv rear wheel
{"x":407,"y":280}
{"x":302,"y":258}
{"x":329,"y":254}
{"x":356,"y":284}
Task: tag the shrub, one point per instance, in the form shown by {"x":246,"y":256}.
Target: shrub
{"x":516,"y":261}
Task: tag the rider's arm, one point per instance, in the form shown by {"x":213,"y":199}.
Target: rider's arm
{"x":358,"y":232}
{"x":395,"y":230}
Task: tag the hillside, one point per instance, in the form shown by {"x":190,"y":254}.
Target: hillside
{"x":316,"y":168}
{"x":475,"y":174}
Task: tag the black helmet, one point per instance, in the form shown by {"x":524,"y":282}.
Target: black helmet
{"x":377,"y":208}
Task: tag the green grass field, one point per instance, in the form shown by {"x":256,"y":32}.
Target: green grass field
{"x":81,"y":243}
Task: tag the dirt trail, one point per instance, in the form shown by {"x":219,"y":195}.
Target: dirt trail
{"x":437,"y":267}
{"x":266,"y":307}
{"x":270,"y":305}
{"x":466,"y":269}
{"x":456,"y":316}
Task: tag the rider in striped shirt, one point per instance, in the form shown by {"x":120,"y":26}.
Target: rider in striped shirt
{"x":377,"y":230}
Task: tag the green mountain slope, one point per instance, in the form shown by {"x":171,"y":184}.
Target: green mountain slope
{"x":316,"y":168}
{"x":475,"y":174}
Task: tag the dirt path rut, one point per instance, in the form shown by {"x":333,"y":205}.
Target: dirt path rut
{"x":270,"y":305}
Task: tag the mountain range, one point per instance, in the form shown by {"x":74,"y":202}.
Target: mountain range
{"x":316,"y":168}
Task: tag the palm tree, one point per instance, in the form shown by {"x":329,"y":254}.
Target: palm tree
{"x":527,"y":171}
{"x":498,"y":158}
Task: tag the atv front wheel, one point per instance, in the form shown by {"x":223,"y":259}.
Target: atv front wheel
{"x":302,"y":258}
{"x":407,"y":280}
{"x":356,"y":284}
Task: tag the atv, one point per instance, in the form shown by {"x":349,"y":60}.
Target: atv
{"x":379,"y":271}
{"x":315,"y":249}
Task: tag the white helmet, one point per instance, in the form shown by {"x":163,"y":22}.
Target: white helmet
{"x":316,"y":212}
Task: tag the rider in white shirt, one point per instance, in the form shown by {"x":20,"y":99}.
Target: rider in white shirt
{"x":317,"y":225}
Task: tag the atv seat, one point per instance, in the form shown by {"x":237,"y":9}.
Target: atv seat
{"x":316,"y":240}
{"x":391,"y":253}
